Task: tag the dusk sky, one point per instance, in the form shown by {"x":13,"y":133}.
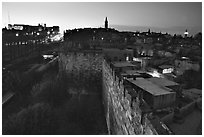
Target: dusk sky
{"x":171,"y":17}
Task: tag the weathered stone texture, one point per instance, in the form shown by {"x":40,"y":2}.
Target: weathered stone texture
{"x":127,"y":119}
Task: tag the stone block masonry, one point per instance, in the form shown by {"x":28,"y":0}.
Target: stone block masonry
{"x":121,"y":118}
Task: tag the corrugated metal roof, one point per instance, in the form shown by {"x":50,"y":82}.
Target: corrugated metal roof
{"x":166,"y":66}
{"x":123,"y":64}
{"x":150,"y":87}
{"x":162,"y":82}
{"x":132,"y":72}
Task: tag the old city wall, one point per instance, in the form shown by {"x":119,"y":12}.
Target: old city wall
{"x":121,"y":118}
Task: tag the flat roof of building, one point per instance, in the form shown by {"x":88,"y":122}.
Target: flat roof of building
{"x":193,"y":93}
{"x":132,"y":72}
{"x":162,"y":82}
{"x":150,"y":87}
{"x":166,"y":66}
{"x":194,"y":90}
{"x":123,"y":64}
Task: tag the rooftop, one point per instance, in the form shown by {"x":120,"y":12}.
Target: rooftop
{"x":193,"y":93}
{"x":166,"y":66}
{"x":131,"y":72}
{"x":162,"y":82}
{"x":192,"y":124}
{"x":123,"y":64}
{"x":150,"y":87}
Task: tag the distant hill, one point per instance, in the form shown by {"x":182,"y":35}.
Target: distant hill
{"x":171,"y":30}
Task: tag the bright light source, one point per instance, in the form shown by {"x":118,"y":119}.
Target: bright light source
{"x":48,"y":56}
{"x":186,"y":33}
{"x":102,"y":38}
{"x":17,"y":34}
{"x":155,"y":74}
{"x":169,"y":70}
{"x":184,"y":57}
{"x":38,"y":33}
{"x":127,"y":58}
{"x":48,"y":32}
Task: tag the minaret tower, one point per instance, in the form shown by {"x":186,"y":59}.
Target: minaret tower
{"x":106,"y":23}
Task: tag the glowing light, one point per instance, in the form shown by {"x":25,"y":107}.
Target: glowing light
{"x":17,"y":34}
{"x":186,"y":33}
{"x":38,"y":33}
{"x":48,"y":56}
{"x":127,"y":58}
{"x":155,"y":74}
{"x":169,"y":70}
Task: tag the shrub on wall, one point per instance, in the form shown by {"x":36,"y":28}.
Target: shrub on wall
{"x":54,"y":92}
